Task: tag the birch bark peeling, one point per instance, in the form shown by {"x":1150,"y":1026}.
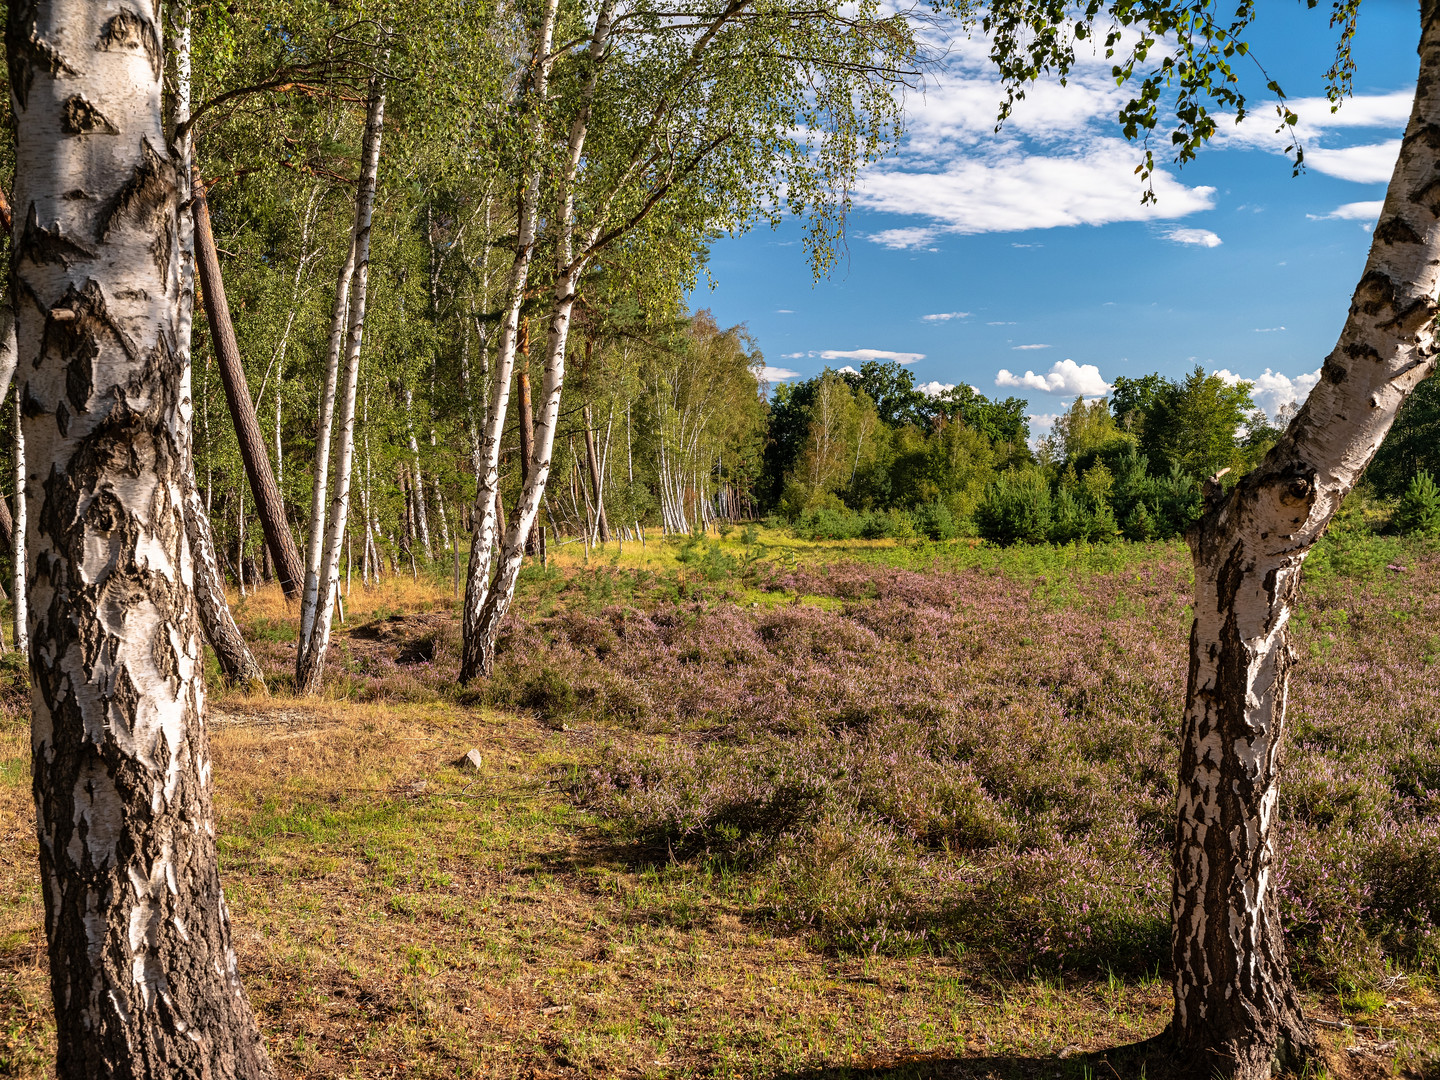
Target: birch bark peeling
{"x":142,"y":970}
{"x":269,"y":507}
{"x":1236,"y":1010}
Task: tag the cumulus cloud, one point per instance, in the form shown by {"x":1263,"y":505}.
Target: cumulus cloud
{"x":871,"y":354}
{"x":1041,"y":424}
{"x":1273,"y":389}
{"x":935,"y":388}
{"x":1064,"y":377}
{"x":777,"y":374}
{"x":946,"y":316}
{"x":1197,"y":237}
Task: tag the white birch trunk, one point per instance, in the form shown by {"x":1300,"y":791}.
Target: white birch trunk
{"x":310,"y":665}
{"x":142,"y":968}
{"x":1236,"y":1008}
{"x":18,"y":589}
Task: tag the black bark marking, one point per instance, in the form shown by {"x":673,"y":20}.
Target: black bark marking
{"x":42,"y":246}
{"x":76,"y":195}
{"x":1428,"y":197}
{"x":62,"y":420}
{"x":1413,"y":317}
{"x":1360,"y":350}
{"x":1333,"y":372}
{"x":1375,"y":293}
{"x":147,"y":197}
{"x":1397,"y":230}
{"x":27,"y":52}
{"x":81,"y":117}
{"x":129,"y":30}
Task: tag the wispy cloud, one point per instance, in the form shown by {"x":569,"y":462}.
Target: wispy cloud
{"x":871,"y":354}
{"x":1354,"y":211}
{"x":905,"y":239}
{"x":946,"y":316}
{"x":1024,"y":348}
{"x":793,"y":356}
{"x":1196,"y":237}
{"x":1064,"y":377}
{"x":783,"y":311}
{"x":1268,"y":329}
{"x":778,"y":374}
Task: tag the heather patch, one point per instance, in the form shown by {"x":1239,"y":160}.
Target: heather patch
{"x":979,"y":754}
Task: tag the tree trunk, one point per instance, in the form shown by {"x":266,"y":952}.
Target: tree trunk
{"x":19,"y":590}
{"x":269,"y":507}
{"x":142,"y":966}
{"x":593,"y":460}
{"x":1236,"y":1009}
{"x":487,"y":481}
{"x":236,"y":660}
{"x":310,"y":666}
{"x":527,"y":445}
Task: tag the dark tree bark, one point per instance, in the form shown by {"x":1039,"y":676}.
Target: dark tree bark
{"x":142,"y":968}
{"x":236,"y":660}
{"x":527,"y":441}
{"x":270,"y":508}
{"x":1236,"y":1010}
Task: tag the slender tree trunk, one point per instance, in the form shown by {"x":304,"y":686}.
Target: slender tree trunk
{"x":1236,"y":1009}
{"x":315,"y":538}
{"x":19,"y":590}
{"x":311,"y":663}
{"x":268,"y":504}
{"x":593,"y":461}
{"x":487,"y":481}
{"x":417,"y":486}
{"x":142,"y":967}
{"x":527,"y":445}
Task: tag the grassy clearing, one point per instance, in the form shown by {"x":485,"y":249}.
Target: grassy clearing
{"x":398,"y":917}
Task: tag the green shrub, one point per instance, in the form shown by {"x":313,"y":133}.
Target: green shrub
{"x":1419,"y":511}
{"x":1016,"y":509}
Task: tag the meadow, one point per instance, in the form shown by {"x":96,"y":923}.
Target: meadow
{"x":751,"y":806}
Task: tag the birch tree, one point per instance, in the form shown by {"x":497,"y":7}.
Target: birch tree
{"x":687,"y":116}
{"x":142,"y":969}
{"x":1237,"y":1011}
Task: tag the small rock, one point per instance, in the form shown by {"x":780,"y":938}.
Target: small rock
{"x":471,"y":762}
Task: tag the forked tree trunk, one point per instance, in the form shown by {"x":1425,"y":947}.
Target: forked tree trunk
{"x":487,"y":480}
{"x":270,"y":509}
{"x":593,"y":460}
{"x":142,"y":967}
{"x":1236,"y":1010}
{"x":310,"y":662}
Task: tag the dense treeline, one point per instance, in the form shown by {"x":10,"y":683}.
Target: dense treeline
{"x":867,"y":453}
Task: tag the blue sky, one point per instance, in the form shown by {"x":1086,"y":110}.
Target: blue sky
{"x":1025,"y":264}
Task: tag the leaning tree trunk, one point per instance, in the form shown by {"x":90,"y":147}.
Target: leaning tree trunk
{"x":270,"y":509}
{"x":142,"y":967}
{"x":1236,"y":1010}
{"x":594,"y":464}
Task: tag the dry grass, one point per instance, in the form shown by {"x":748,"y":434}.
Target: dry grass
{"x":395,"y":916}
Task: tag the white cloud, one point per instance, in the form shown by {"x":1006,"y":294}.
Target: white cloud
{"x":999,"y":324}
{"x":778,"y":374}
{"x":905,"y":239}
{"x":934,"y":388}
{"x":1041,"y":423}
{"x":1268,"y":329}
{"x":1370,"y":164}
{"x":1064,"y":377}
{"x":946,"y":316}
{"x":1272,"y":389}
{"x":1013,"y":190}
{"x":1354,"y":211}
{"x":1025,"y":348}
{"x":1197,"y":237}
{"x":783,"y":311}
{"x":871,"y":354}
{"x":847,"y":370}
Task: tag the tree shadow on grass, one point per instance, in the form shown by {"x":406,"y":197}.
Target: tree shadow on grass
{"x":1151,"y":1059}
